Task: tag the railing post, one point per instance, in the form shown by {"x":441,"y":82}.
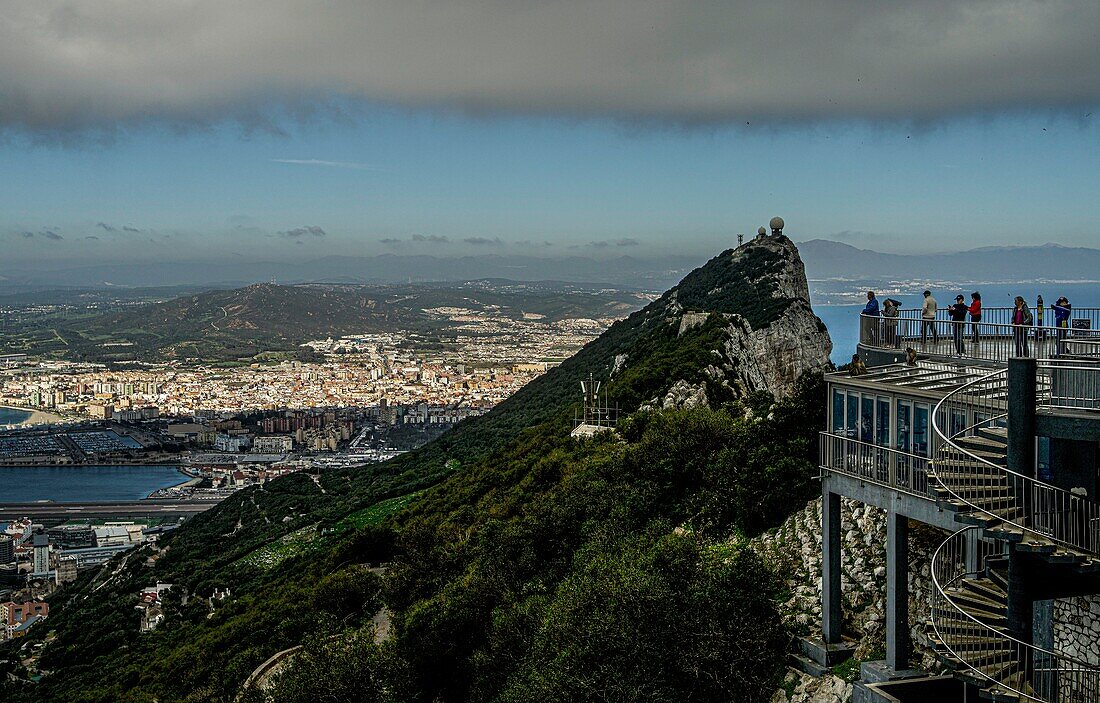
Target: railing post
{"x":832,"y":626}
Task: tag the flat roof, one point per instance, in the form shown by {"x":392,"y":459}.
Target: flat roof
{"x":928,"y":378}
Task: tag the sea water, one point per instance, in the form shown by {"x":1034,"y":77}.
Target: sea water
{"x":28,"y":484}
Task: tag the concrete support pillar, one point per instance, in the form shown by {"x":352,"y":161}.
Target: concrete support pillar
{"x":1021,"y":614}
{"x":1021,"y":429}
{"x":1021,"y":415}
{"x":1042,"y":635}
{"x":897,"y":591}
{"x":832,"y":624}
{"x":1042,"y":624}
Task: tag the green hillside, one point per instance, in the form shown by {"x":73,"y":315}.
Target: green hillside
{"x":523,"y":565}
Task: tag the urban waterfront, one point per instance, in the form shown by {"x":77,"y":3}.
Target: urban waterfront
{"x":25,"y":484}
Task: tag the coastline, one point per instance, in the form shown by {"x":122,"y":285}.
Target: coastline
{"x":36,"y":417}
{"x":189,"y":480}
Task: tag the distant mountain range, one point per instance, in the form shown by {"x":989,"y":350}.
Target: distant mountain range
{"x":264,"y":317}
{"x":651,"y":274}
{"x":827,"y":259}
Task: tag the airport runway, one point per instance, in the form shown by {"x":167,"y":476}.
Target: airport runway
{"x":133,"y":508}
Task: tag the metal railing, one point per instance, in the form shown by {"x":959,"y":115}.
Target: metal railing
{"x":991,"y":653}
{"x":975,"y":473}
{"x":1084,"y":317}
{"x":1069,"y":384}
{"x":870,"y":462}
{"x":981,"y":340}
{"x":989,"y":487}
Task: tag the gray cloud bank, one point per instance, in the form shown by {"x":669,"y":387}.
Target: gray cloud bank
{"x":70,"y":66}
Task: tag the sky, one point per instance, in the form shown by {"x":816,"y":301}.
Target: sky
{"x":135,"y":131}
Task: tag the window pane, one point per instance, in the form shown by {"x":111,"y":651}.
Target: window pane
{"x":920,"y":430}
{"x":867,"y":419}
{"x":838,"y":412}
{"x":882,"y":422}
{"x":852,"y":423}
{"x":958,"y":422}
{"x":981,"y":419}
{"x":904,"y":427}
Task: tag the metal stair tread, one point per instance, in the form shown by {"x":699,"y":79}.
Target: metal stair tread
{"x":980,"y":441}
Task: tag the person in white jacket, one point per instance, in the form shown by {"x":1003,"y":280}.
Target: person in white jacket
{"x":928,"y":318}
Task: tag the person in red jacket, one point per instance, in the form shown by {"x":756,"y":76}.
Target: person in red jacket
{"x":975,"y":315}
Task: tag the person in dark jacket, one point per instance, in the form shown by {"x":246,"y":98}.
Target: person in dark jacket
{"x":890,"y":312}
{"x":1021,"y":326}
{"x":975,"y":315}
{"x":1062,"y":311}
{"x":870,"y":319}
{"x":958,"y":312}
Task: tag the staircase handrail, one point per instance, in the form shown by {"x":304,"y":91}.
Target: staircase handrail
{"x":1022,"y":653}
{"x":1081,"y":665}
{"x":1027,"y":484}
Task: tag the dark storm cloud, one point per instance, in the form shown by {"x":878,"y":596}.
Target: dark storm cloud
{"x":433,"y":238}
{"x":484,"y":241}
{"x":72,"y":66}
{"x":299,"y":232}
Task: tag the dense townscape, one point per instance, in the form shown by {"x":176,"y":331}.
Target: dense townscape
{"x":356,"y":400}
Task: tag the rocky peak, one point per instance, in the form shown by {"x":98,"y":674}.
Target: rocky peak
{"x":770,"y":335}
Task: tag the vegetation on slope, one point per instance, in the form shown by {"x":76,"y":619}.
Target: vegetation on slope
{"x":541,"y":566}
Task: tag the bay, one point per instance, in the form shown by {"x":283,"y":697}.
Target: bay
{"x":12,"y":416}
{"x":27,"y":484}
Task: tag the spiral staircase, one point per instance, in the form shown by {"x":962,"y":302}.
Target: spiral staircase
{"x":1008,"y":516}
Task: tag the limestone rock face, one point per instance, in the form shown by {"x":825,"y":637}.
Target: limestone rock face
{"x":775,"y":357}
{"x":684,"y":395}
{"x":771,"y":336}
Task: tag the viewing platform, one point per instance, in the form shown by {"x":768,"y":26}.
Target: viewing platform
{"x":883,"y":340}
{"x":999,"y":448}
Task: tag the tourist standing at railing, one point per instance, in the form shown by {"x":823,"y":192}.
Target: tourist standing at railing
{"x":1062,"y":310}
{"x":870,"y":310}
{"x":890,"y":322}
{"x":975,"y":315}
{"x":928,"y":318}
{"x":1021,"y":323}
{"x":957,"y":313}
